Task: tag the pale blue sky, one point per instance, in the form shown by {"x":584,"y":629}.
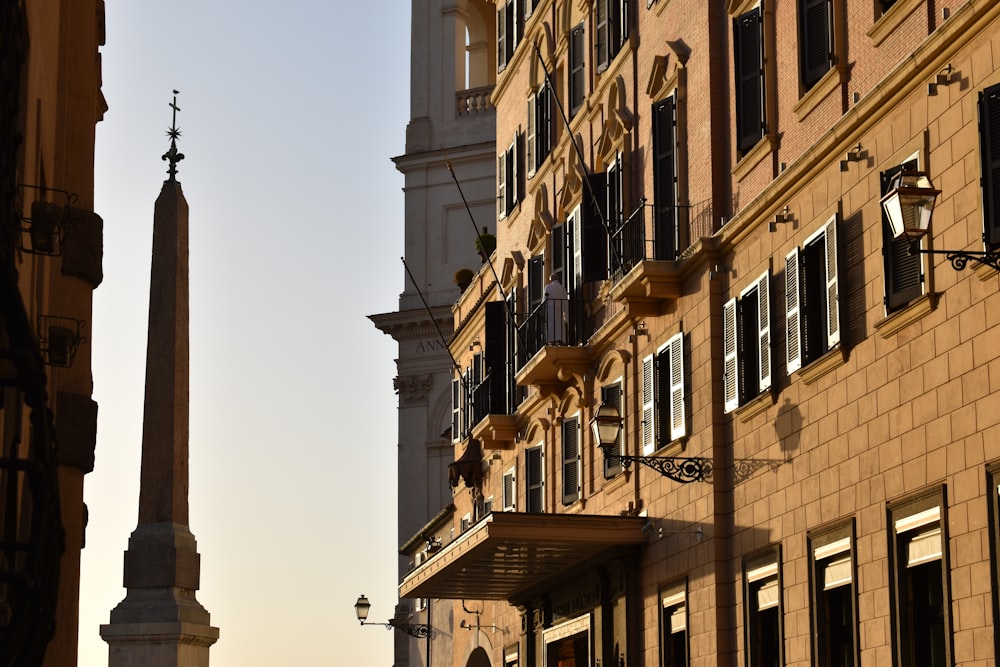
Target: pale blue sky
{"x":290,"y":113}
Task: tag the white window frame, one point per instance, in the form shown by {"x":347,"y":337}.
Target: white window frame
{"x":508,"y":492}
{"x":793,"y":294}
{"x":732,"y":326}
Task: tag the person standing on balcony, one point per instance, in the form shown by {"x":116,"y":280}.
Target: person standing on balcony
{"x":556,"y":306}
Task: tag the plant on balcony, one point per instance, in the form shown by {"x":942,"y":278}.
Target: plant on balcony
{"x":486,"y":243}
{"x":463,"y":278}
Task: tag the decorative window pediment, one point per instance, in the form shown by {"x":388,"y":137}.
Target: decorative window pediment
{"x":541,"y":222}
{"x":665,"y":73}
{"x":572,"y":190}
{"x":617,"y":123}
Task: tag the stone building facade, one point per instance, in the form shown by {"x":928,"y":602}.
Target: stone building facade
{"x":689,"y":234}
{"x":50,"y":264}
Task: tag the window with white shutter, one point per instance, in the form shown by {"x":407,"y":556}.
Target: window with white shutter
{"x":648,"y":406}
{"x":812,"y":298}
{"x":746,"y":343}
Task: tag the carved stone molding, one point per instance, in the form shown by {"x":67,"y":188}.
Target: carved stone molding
{"x":412,"y":389}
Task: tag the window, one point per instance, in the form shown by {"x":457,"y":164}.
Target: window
{"x":833,"y":594}
{"x":509,"y":22}
{"x":673,"y":626}
{"x":748,"y":53}
{"x":612,"y":395}
{"x":558,"y":256}
{"x":539,"y":128}
{"x":904,"y":278}
{"x":919,"y":582}
{"x":666,"y":234}
{"x":989,"y":124}
{"x":510,"y":655}
{"x":993,"y":501}
{"x":571,"y":460}
{"x":509,"y":185}
{"x":815,"y":40}
{"x":663,"y":406}
{"x":534,"y":471}
{"x":812,"y":307}
{"x":746,"y":343}
{"x":762,"y":602}
{"x":461,"y":400}
{"x":568,"y":643}
{"x":577,"y":73}
{"x":611,"y":30}
{"x":509,"y":491}
{"x":613,"y":207}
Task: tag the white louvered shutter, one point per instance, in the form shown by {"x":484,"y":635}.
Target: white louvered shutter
{"x":764,"y":329}
{"x":675,"y":350}
{"x":793,"y":315}
{"x":832,"y":290}
{"x":648,"y":407}
{"x":730,"y":358}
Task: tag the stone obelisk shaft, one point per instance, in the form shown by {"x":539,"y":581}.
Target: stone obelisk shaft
{"x":160,"y":622}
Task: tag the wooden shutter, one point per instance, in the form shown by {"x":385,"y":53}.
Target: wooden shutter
{"x":665,"y":179}
{"x":602,"y":46}
{"x":535,"y":472}
{"x":764,"y":330}
{"x":536,"y":282}
{"x":661,"y":396}
{"x":575,"y":252}
{"x":495,"y":355}
{"x":501,"y":38}
{"x":989,"y":133}
{"x":509,"y":491}
{"x":456,"y":409}
{"x":815,"y":45}
{"x":648,"y":406}
{"x":730,"y":358}
{"x":904,"y":280}
{"x":577,"y":77}
{"x":675,"y":352}
{"x":595,"y":233}
{"x":571,"y":460}
{"x":543,"y":124}
{"x":529,"y":135}
{"x":793,"y":313}
{"x":832,"y":287}
{"x":747,"y":40}
{"x":502,"y":186}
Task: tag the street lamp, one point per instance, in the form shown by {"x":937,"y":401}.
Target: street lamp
{"x":607,"y":424}
{"x":362,"y":606}
{"x":908,"y":207}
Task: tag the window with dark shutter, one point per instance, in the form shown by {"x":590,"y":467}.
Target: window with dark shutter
{"x":665,"y":235}
{"x":501,"y":39}
{"x":989,"y":133}
{"x":495,"y":357}
{"x":904,"y":280}
{"x":612,"y":395}
{"x":536,"y":282}
{"x":749,"y":65}
{"x":534,"y":471}
{"x":559,"y":253}
{"x":509,"y":491}
{"x":571,"y":460}
{"x":594,"y":233}
{"x":602,"y":34}
{"x":577,"y":73}
{"x":815,"y":40}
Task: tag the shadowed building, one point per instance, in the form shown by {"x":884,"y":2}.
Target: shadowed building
{"x":160,"y":622}
{"x":51,"y":244}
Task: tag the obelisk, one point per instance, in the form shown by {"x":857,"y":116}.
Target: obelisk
{"x":160,"y":622}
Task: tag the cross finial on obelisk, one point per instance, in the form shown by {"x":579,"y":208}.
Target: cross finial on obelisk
{"x":174,"y":132}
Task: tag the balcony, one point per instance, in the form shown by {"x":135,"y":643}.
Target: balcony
{"x":550,"y":344}
{"x":492,"y":404}
{"x":474,"y":101}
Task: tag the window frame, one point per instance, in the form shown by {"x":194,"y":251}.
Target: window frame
{"x":663,"y":395}
{"x":814,"y":15}
{"x":759,"y":571}
{"x":798,"y":338}
{"x":673,"y":601}
{"x":736,"y":366}
{"x":665,"y":153}
{"x":909,"y":520}
{"x":898,"y":262}
{"x":826,"y":549}
{"x":508,"y":491}
{"x":577,"y":66}
{"x":988,"y":106}
{"x":611,"y":31}
{"x":531,"y":484}
{"x":613,"y":466}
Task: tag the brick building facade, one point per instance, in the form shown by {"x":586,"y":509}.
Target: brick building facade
{"x":817,"y":409}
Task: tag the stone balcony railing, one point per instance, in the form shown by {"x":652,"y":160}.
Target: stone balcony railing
{"x":474,"y":101}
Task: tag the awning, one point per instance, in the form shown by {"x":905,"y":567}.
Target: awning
{"x":509,"y":552}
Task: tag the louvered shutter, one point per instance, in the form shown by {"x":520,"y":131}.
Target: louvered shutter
{"x":502,"y":186}
{"x":903,"y":269}
{"x":764,"y":330}
{"x":749,"y":66}
{"x":534,"y":470}
{"x":571,"y":460}
{"x":515,"y":155}
{"x":793,"y":313}
{"x":543,"y":124}
{"x":595,"y":234}
{"x":648,"y":406}
{"x":501,"y":39}
{"x":529,"y":135}
{"x":832,"y":287}
{"x":665,"y":177}
{"x":495,"y":355}
{"x":575,"y":253}
{"x":602,"y":46}
{"x":814,"y":40}
{"x":536,"y":282}
{"x":456,"y":410}
{"x":577,"y":75}
{"x":730,"y":358}
{"x":509,"y":491}
{"x":661,"y":396}
{"x":675,"y":352}
{"x":989,"y":131}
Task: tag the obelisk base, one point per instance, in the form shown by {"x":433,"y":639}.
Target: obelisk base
{"x":158,"y":644}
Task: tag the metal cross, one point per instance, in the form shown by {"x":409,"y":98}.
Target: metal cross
{"x":174,"y":133}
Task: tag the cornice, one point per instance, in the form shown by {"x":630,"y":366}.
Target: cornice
{"x":414,"y":324}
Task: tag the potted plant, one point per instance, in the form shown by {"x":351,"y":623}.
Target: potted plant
{"x":463,"y":278}
{"x":486,"y":243}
